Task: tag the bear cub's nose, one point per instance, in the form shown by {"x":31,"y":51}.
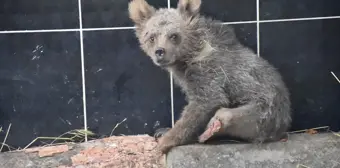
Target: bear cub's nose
{"x":160,"y":52}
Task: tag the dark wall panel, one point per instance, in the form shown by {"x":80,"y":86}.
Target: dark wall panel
{"x":38,"y":14}
{"x":122,"y":82}
{"x":40,"y":85}
{"x":305,"y":53}
{"x":110,"y":13}
{"x":290,"y":9}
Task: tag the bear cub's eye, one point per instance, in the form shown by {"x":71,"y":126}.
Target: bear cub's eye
{"x":152,"y":39}
{"x":174,"y":37}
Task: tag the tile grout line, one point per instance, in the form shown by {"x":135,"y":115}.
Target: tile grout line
{"x":82,"y":68}
{"x":258,"y":27}
{"x":239,"y":22}
{"x":108,"y":28}
{"x":172,"y":91}
{"x":128,"y":28}
{"x":38,"y":31}
{"x":299,"y":19}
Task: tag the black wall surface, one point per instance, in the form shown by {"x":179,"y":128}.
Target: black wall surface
{"x":41,"y":88}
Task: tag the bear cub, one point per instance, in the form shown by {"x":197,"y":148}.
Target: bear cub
{"x":225,"y":83}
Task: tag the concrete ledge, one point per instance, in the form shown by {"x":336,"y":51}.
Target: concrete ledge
{"x":301,"y":150}
{"x":311,"y":151}
{"x":112,"y":152}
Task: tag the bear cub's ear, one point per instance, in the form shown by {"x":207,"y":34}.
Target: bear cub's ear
{"x":140,"y":11}
{"x":189,"y":7}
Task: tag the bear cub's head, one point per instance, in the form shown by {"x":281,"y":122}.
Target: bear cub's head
{"x":167,"y":35}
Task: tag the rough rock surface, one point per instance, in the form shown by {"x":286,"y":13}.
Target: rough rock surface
{"x":112,"y":152}
{"x":299,"y":151}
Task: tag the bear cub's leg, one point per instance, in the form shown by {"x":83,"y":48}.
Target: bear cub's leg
{"x":238,"y":122}
{"x":160,"y":132}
